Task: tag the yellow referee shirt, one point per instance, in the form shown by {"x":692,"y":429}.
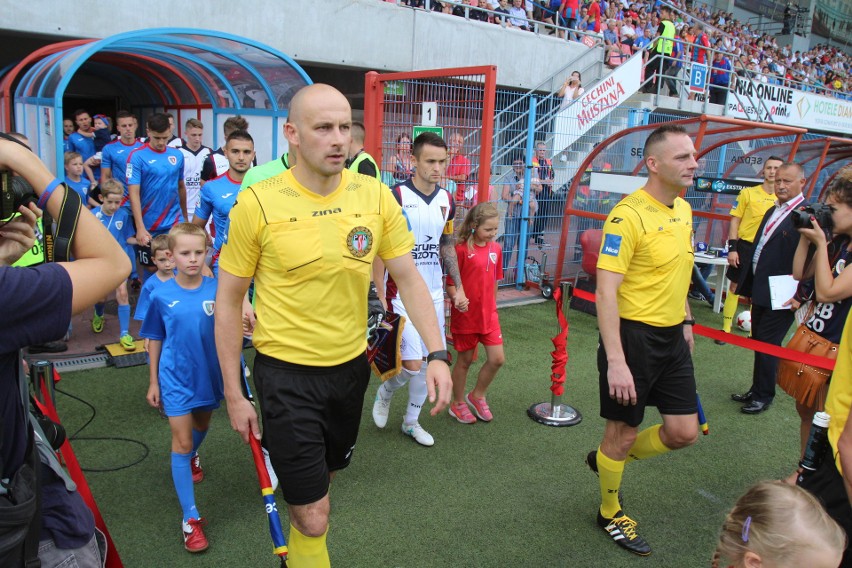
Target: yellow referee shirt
{"x":311,"y":259}
{"x":752,"y":203}
{"x":651,"y":245}
{"x":839,"y":398}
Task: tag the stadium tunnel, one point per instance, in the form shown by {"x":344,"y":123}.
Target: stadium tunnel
{"x":731,"y":153}
{"x":191,"y":73}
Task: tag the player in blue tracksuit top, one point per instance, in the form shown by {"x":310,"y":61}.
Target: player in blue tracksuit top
{"x":218,"y":195}
{"x":185,"y":376}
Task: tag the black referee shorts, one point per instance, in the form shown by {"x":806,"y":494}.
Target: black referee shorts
{"x":745,"y":249}
{"x":661,"y":364}
{"x":310,"y":421}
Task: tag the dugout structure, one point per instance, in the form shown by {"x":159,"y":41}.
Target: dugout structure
{"x":729,"y":150}
{"x":447,"y":101}
{"x":192,"y":73}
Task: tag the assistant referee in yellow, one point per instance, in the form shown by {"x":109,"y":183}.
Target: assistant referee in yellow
{"x":645,"y":352}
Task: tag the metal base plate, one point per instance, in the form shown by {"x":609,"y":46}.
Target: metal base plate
{"x":562,"y":414}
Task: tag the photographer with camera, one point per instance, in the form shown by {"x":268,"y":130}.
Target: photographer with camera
{"x":40,"y":511}
{"x":774,"y":246}
{"x":825,"y":248}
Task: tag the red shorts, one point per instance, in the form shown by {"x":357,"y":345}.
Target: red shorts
{"x":467,"y":341}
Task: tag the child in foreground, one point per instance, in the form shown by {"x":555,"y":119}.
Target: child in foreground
{"x":480,"y":267}
{"x":775,"y":525}
{"x":185,"y":375}
{"x":117,"y":222}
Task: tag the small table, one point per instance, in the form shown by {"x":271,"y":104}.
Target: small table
{"x":721,"y":280}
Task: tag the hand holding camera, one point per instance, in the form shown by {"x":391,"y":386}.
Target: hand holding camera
{"x":17,"y":235}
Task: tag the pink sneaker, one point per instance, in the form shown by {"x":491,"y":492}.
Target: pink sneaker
{"x":480,"y":408}
{"x":461,"y":412}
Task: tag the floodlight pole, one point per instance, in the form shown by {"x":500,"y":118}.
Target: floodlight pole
{"x":554,"y":413}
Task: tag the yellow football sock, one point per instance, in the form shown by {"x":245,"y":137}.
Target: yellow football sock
{"x":647,"y":445}
{"x":307,"y":551}
{"x":731,"y":303}
{"x":610,"y":472}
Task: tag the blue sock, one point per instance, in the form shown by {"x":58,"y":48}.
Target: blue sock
{"x":182,"y":477}
{"x":124,"y":319}
{"x":197,"y":437}
{"x":99,"y":309}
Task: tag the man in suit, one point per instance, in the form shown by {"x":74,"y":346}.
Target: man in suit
{"x":774,"y":248}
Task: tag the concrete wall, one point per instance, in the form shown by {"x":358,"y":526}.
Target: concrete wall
{"x":367,"y":34}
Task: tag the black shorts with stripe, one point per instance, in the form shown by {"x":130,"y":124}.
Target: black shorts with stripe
{"x":661,"y":364}
{"x":310,"y":419}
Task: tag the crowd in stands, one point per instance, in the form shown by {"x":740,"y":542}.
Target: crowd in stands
{"x":627,"y":27}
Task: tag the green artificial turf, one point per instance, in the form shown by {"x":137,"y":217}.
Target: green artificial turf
{"x":506,"y":493}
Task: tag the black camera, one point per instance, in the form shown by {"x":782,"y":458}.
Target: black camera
{"x":819,"y":211}
{"x":15,"y":191}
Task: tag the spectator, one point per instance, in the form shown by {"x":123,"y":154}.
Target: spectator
{"x":401,"y":163}
{"x":571,"y":89}
{"x":503,"y":8}
{"x":570,"y":11}
{"x":612,"y":45}
{"x":513,"y":195}
{"x":459,"y":168}
{"x":720,"y":78}
{"x":593,"y":23}
{"x":542,"y":177}
{"x":479,"y":13}
{"x":517,"y":16}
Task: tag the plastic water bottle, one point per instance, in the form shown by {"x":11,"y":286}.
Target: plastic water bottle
{"x":817,"y":442}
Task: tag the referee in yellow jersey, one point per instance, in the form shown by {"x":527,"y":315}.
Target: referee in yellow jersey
{"x":308,"y":237}
{"x":746,"y":216}
{"x":645,"y":351}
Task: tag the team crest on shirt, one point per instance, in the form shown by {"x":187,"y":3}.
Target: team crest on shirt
{"x":444,"y":211}
{"x":841,"y":264}
{"x":173,"y":160}
{"x":208,"y":306}
{"x":360,"y":242}
{"x":119,"y":225}
{"x":492,"y":256}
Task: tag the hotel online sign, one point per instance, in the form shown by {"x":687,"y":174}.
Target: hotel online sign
{"x":763,"y":102}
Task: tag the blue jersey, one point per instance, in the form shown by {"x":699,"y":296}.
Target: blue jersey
{"x":83,"y":145}
{"x":189,"y":372}
{"x":157,"y":174}
{"x":81,"y":187}
{"x":144,"y":300}
{"x":118,"y":224}
{"x":114,"y":158}
{"x":217,"y":198}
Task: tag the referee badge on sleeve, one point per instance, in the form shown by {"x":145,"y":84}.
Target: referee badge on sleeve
{"x":612,"y":244}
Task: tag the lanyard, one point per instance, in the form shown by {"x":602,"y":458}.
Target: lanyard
{"x":789,"y":207}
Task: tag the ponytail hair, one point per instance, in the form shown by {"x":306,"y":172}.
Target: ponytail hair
{"x":781,"y":523}
{"x":475,"y":217}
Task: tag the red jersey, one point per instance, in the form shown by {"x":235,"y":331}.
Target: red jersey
{"x":480,"y":269}
{"x":595,"y":14}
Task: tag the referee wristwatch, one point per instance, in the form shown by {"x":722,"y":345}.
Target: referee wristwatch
{"x":439,"y":355}
{"x":689,"y":321}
